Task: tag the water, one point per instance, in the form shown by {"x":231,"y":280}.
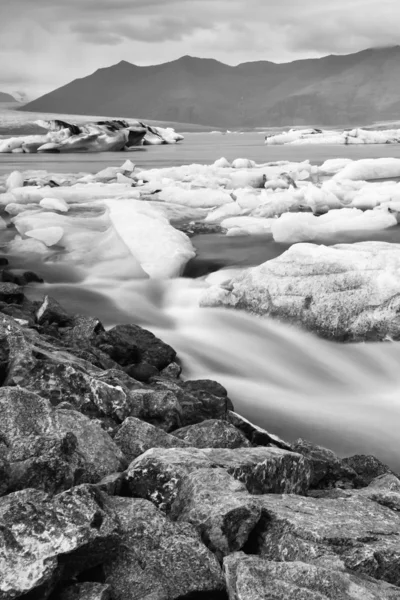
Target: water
{"x":203,"y":148}
{"x":342,"y":396}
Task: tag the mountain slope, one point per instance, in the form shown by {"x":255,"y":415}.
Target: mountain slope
{"x":334,"y":90}
{"x":6,"y":97}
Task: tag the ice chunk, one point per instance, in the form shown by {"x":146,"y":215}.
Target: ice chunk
{"x":247,"y":225}
{"x":14,"y":180}
{"x":54,"y":204}
{"x":222,"y":163}
{"x":222,"y":212}
{"x":49,"y":235}
{"x":196,"y":198}
{"x":371,"y":168}
{"x":243,"y":163}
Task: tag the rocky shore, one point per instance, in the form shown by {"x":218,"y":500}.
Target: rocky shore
{"x":121,"y":480}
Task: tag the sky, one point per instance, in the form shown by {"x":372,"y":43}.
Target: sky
{"x":47,"y":43}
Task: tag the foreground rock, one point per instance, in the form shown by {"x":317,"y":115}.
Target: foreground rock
{"x":219,"y":506}
{"x":156,"y":474}
{"x":333,"y":291}
{"x":212,"y":434}
{"x":253,"y":578}
{"x":44,"y":540}
{"x":158,"y":559}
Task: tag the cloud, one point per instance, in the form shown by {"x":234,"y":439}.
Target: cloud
{"x":46,"y":43}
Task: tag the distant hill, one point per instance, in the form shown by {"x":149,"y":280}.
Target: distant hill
{"x":334,"y":90}
{"x":6,"y":97}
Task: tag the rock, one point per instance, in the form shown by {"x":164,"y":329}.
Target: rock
{"x":50,"y":311}
{"x":64,"y":382}
{"x":45,"y":539}
{"x":205,"y":386}
{"x":101,"y":455}
{"x":219,"y":507}
{"x":21,"y":278}
{"x":213,"y":433}
{"x":113,"y":484}
{"x":84,"y":330}
{"x":52,"y":449}
{"x":142,"y":372}
{"x":172,"y":371}
{"x":159,"y":559}
{"x":10,"y":293}
{"x":5,"y":473}
{"x":85,"y":591}
{"x":352,"y":532}
{"x":367,"y":467}
{"x":328,"y":470}
{"x":160,"y":408}
{"x":197,"y":405}
{"x":264,"y":470}
{"x":134,"y":437}
{"x":256,"y":435}
{"x":156,"y":474}
{"x":130,"y":344}
{"x":253,"y":578}
{"x":333,"y":291}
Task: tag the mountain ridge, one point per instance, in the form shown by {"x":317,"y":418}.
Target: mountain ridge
{"x":332,"y":90}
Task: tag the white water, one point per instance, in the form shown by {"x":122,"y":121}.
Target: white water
{"x":344,"y":397}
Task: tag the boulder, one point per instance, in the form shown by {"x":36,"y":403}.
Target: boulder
{"x":158,"y":407}
{"x":50,"y":311}
{"x":130,"y":344}
{"x":52,"y":449}
{"x":197,"y":404}
{"x":366,"y":467}
{"x":156,"y":474}
{"x":134,"y":437}
{"x":328,"y":470}
{"x":264,"y":470}
{"x":254,"y":578}
{"x":219,"y":507}
{"x":256,"y":435}
{"x":85,"y":591}
{"x":10,"y":293}
{"x":334,"y":291}
{"x":213,"y":433}
{"x":159,"y":559}
{"x":44,"y":540}
{"x":351,"y":532}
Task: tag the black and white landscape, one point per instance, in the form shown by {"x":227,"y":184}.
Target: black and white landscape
{"x":199,"y":300}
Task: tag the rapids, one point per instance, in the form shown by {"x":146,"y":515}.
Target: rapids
{"x":294,"y":384}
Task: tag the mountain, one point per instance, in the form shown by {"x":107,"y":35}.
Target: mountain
{"x":6,"y":97}
{"x":334,"y":90}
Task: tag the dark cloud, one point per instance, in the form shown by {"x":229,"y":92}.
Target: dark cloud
{"x":46,"y":43}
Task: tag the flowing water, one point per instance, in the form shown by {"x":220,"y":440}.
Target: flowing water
{"x":343,"y":396}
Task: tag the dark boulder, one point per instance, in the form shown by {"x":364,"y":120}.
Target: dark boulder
{"x":367,"y":467}
{"x":157,"y":407}
{"x":44,"y":540}
{"x":50,"y":311}
{"x":256,"y":435}
{"x":134,"y":437}
{"x":213,"y":433}
{"x":159,"y":559}
{"x":10,"y":293}
{"x":84,"y":591}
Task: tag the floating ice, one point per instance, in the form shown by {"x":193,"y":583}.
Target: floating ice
{"x":371,"y":168}
{"x":348,"y":137}
{"x":49,"y":235}
{"x":54,"y":204}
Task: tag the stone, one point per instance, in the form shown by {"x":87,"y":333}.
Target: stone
{"x":219,"y":507}
{"x":83,"y":330}
{"x":159,"y":559}
{"x":334,"y":291}
{"x":213,"y":433}
{"x":141,"y":372}
{"x":197,"y":405}
{"x":254,"y":578}
{"x":85,"y":591}
{"x":134,"y":437}
{"x":65,"y":382}
{"x":264,"y":470}
{"x":366,"y":467}
{"x":156,"y":475}
{"x":52,"y":449}
{"x":352,"y":532}
{"x":5,"y":472}
{"x":328,"y":470}
{"x":172,"y":371}
{"x":130,"y":344}
{"x":10,"y":293}
{"x":50,"y":311}
{"x":157,"y":407}
{"x":256,"y":435}
{"x":44,"y":539}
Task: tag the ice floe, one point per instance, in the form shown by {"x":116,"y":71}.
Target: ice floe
{"x":347,"y":137}
{"x":100,"y":136}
